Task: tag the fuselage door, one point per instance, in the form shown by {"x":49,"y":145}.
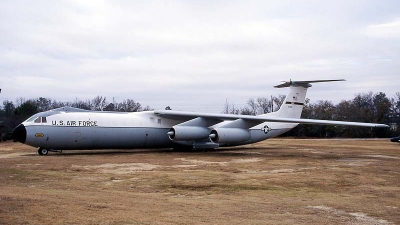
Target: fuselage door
{"x":41,"y":136}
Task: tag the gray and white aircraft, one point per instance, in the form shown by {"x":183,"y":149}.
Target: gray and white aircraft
{"x":70,"y":128}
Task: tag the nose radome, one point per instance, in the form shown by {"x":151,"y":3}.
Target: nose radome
{"x":19,"y":133}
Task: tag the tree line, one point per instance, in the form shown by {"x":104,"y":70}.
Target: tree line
{"x":364,"y":107}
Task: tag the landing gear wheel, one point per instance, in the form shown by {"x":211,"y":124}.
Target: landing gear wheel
{"x":43,"y":151}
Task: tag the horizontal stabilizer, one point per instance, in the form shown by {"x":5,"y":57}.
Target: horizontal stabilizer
{"x":305,"y":84}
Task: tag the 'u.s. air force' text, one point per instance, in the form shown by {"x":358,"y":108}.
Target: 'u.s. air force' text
{"x":73,"y":123}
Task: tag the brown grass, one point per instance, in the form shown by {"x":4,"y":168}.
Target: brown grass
{"x":279,"y":181}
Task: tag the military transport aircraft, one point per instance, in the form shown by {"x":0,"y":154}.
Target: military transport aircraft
{"x":70,"y":128}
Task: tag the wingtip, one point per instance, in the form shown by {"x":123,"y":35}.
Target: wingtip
{"x":382,"y":126}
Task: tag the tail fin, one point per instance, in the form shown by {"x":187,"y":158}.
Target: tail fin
{"x":293,"y":104}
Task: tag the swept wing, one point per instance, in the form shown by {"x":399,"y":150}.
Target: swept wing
{"x":257,"y":119}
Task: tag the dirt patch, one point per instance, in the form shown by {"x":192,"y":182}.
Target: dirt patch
{"x":223,"y":163}
{"x":122,"y":168}
{"x":359,"y":161}
{"x":11,"y":155}
{"x":382,"y":156}
{"x":357,"y":218}
{"x":279,"y":181}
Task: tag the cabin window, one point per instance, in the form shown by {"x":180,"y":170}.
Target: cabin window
{"x":44,"y":120}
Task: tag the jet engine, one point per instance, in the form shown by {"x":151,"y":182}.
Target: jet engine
{"x":229,"y":135}
{"x":188,"y":133}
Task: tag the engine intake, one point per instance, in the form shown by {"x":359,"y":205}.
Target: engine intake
{"x":229,"y":135}
{"x":188,"y":133}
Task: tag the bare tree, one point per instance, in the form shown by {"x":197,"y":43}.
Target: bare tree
{"x":278,"y":101}
{"x":56,"y":104}
{"x":20,"y":101}
{"x":43,"y":104}
{"x":265,"y":104}
{"x":226,"y":107}
{"x":109,"y":107}
{"x":81,"y":104}
{"x":99,"y":103}
{"x":252,"y":107}
{"x":230,"y":109}
{"x":129,"y":105}
{"x":147,"y":108}
{"x":246,"y":111}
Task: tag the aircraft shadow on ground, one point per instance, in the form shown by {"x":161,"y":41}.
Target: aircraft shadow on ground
{"x":228,"y":150}
{"x":267,"y":152}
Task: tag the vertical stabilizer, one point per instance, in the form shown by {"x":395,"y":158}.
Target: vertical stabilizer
{"x":293,"y":104}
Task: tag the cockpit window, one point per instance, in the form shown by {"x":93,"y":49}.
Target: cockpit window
{"x":40,"y":120}
{"x":42,"y":115}
{"x":30,"y":119}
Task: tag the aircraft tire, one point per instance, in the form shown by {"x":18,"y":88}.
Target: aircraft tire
{"x":43,"y":151}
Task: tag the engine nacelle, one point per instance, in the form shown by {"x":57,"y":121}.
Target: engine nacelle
{"x":229,"y":135}
{"x":188,"y":133}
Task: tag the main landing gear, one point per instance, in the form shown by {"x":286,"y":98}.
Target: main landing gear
{"x":44,"y":151}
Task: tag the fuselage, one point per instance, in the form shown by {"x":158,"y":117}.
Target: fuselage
{"x":69,"y":128}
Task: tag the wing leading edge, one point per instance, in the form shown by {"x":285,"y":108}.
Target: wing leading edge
{"x":216,"y":116}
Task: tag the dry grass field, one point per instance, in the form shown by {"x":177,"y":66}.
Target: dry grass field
{"x":279,"y":181}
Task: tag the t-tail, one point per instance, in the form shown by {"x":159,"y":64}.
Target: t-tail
{"x":293,"y":104}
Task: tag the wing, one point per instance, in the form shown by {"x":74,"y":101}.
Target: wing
{"x":257,"y":119}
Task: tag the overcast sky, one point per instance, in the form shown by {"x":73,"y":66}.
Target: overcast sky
{"x":195,"y":55}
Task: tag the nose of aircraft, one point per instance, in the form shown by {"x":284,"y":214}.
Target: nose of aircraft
{"x":19,"y":133}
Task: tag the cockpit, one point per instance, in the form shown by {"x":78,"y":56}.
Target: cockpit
{"x":37,"y":119}
{"x":41,"y":119}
